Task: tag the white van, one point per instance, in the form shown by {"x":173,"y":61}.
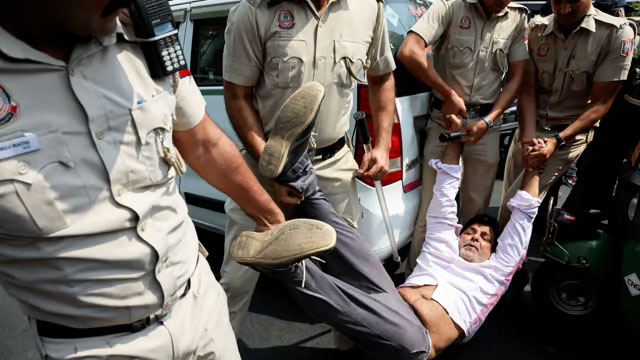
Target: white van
{"x":202,"y":24}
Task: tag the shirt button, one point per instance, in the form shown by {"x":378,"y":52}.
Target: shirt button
{"x":143,"y":226}
{"x":285,"y":53}
{"x":165,"y":121}
{"x":120,"y":191}
{"x":22,"y":168}
{"x":72,"y":72}
{"x":99,"y":134}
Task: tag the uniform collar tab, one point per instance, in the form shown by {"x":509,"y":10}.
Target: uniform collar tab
{"x":589,"y":21}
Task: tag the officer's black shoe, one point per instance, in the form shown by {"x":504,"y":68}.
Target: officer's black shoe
{"x":289,"y":138}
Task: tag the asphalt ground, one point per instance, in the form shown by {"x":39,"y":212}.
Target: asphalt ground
{"x":277,"y":328}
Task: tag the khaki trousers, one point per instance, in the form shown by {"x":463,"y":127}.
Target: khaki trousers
{"x":556,"y":166}
{"x":335,"y":178}
{"x":197,"y":328}
{"x":479,"y":162}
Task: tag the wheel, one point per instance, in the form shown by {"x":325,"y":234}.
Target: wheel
{"x":568,"y":298}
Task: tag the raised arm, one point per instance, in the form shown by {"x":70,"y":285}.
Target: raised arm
{"x":514,"y":240}
{"x":442,"y":221}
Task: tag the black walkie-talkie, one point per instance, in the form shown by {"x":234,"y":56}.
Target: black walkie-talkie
{"x":153,"y":24}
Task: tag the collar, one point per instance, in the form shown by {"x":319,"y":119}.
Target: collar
{"x":588,"y":22}
{"x":18,"y":49}
{"x":477,"y":2}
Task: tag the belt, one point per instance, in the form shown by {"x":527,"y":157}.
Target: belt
{"x":473,"y":111}
{"x":329,"y":151}
{"x":57,"y":331}
{"x":554,"y":124}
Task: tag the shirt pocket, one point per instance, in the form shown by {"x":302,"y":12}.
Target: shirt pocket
{"x":153,"y":124}
{"x":40,"y":190}
{"x":460,"y":51}
{"x":499,"y":50}
{"x":285,"y":62}
{"x":545,"y":75}
{"x":577,"y":81}
{"x":348,"y":53}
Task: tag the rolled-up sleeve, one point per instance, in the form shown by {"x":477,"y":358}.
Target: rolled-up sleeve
{"x":518,"y":49}
{"x":432,"y":24}
{"x":190,"y":105}
{"x":242,"y":58}
{"x":382,"y":62}
{"x":514,"y":240}
{"x":616,"y":57}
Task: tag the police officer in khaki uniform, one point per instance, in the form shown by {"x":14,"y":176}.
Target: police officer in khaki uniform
{"x":96,"y":244}
{"x":580,"y":57}
{"x":475,"y":43}
{"x":273,"y":47}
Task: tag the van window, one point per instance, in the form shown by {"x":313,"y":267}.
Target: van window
{"x":206,"y":53}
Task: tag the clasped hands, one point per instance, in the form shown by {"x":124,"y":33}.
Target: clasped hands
{"x":535,"y":152}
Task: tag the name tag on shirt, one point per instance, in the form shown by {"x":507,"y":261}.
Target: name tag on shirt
{"x":24,"y":144}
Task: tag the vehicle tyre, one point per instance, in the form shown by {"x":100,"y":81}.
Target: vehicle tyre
{"x":567,"y":298}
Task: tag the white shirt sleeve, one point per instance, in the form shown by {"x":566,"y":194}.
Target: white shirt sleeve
{"x":442,"y":221}
{"x":514,"y":240}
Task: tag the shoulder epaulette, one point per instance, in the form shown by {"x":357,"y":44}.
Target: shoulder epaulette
{"x":254,"y":3}
{"x":620,"y":23}
{"x":515,"y":5}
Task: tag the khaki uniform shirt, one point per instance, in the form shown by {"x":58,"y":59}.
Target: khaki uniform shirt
{"x":93,"y":231}
{"x":278,"y":48}
{"x":471,"y":52}
{"x":600,"y":49}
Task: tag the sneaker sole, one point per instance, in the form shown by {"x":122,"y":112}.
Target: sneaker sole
{"x":285,"y":245}
{"x":295,"y":115}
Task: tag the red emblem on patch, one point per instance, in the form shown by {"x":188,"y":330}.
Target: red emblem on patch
{"x":526,"y":34}
{"x":465,"y":22}
{"x":184,"y":73}
{"x":543,"y":50}
{"x":627,"y":47}
{"x":8,"y":108}
{"x":285,"y":19}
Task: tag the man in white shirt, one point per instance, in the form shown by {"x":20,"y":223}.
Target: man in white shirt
{"x":463,"y":271}
{"x":455,"y":284}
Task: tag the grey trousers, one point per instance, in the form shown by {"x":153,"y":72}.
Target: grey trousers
{"x":351,"y":291}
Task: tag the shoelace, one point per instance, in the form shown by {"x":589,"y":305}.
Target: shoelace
{"x":304,"y":268}
{"x":312,"y":139}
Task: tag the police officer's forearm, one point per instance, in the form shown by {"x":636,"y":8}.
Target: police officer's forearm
{"x":382,"y":95}
{"x":244,"y":117}
{"x":602,"y":96}
{"x":216,"y":159}
{"x":527,"y":106}
{"x":413,"y":55}
{"x":510,"y":90}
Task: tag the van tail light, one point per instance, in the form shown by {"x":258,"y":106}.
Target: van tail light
{"x":395,"y":153}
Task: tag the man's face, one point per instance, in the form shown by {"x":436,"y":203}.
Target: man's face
{"x":475,"y":243}
{"x":569,"y":13}
{"x":495,"y":6}
{"x":80,"y":17}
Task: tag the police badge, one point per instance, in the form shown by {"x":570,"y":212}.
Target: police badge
{"x":285,"y":19}
{"x":8,"y":108}
{"x":465,"y":22}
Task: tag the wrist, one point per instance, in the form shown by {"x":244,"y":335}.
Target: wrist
{"x":447,"y":93}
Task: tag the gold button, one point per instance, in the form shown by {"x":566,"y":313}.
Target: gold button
{"x":22,"y":168}
{"x":143,"y":226}
{"x":120,"y":191}
{"x":165,"y":121}
{"x":285,"y":53}
{"x":99,"y":134}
